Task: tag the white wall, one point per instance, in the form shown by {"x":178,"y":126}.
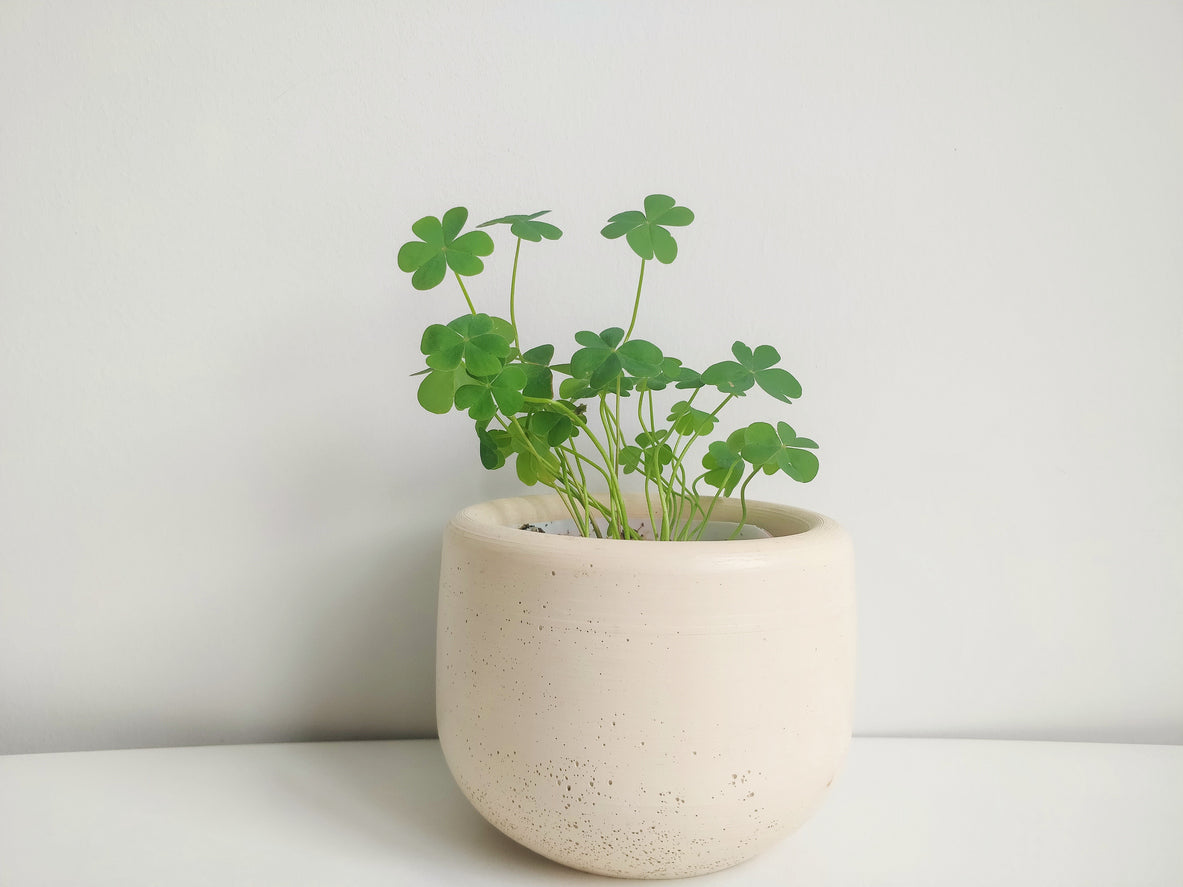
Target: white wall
{"x":961,"y":224}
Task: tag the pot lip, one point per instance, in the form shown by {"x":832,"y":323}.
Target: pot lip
{"x":499,"y":521}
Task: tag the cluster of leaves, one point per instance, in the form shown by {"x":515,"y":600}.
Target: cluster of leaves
{"x":569,"y":437}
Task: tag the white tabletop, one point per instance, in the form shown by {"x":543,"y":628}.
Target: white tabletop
{"x":906,"y":811}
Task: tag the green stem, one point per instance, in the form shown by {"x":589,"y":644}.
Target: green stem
{"x":513,"y":283}
{"x":471,"y":308}
{"x":743,"y":503}
{"x":613,"y":487}
{"x":636,"y":304}
{"x":706,"y":518}
{"x":645,"y":468}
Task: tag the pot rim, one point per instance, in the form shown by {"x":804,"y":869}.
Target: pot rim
{"x":499,"y":521}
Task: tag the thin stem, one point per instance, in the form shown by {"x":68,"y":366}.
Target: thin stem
{"x":706,"y":518}
{"x":513,"y":283}
{"x":743,"y":503}
{"x":644,"y":467}
{"x":471,"y":308}
{"x":636,"y":303}
{"x":613,"y":486}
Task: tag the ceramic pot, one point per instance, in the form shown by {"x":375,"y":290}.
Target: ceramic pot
{"x":644,"y":709}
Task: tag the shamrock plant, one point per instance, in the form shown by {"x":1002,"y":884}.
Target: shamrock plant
{"x":563,"y":425}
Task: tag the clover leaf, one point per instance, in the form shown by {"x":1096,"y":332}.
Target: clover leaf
{"x":604,"y":355}
{"x":753,"y":368}
{"x":724,"y":467}
{"x":776,"y":449}
{"x":547,"y":429}
{"x":438,"y":249}
{"x":484,"y":397}
{"x":531,"y":441}
{"x":479,"y":342}
{"x":688,"y":420}
{"x":646,"y":231}
{"x":494,"y":446}
{"x":526,"y":227}
{"x":656,"y":452}
{"x":539,"y":376}
{"x":438,"y":389}
{"x":670,"y":371}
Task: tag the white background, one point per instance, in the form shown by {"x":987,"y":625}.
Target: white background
{"x":961,"y":224}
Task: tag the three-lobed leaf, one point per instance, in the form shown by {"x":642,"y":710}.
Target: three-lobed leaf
{"x":527,"y":227}
{"x":647,"y":232}
{"x":724,"y":467}
{"x":690,"y":420}
{"x":483,"y":398}
{"x":776,"y":449}
{"x":752,"y":368}
{"x":605,"y":356}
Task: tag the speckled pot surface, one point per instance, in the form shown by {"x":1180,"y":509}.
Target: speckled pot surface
{"x":644,"y":709}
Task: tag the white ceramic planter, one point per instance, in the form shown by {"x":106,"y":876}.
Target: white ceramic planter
{"x":644,"y":709}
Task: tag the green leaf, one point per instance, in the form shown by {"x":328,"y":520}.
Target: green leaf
{"x":590,"y":339}
{"x":413,"y":254}
{"x":800,"y":465}
{"x":621,"y":223}
{"x":641,"y":358}
{"x":453,"y":221}
{"x":630,"y":458}
{"x":575,"y":388}
{"x":612,"y":336}
{"x":494,"y":447}
{"x":552,"y":429}
{"x":526,"y":227}
{"x":646,"y":232}
{"x":724,"y":467}
{"x":527,"y":469}
{"x":641,"y":240}
{"x":463,"y":264}
{"x":688,"y":420}
{"x":435,"y":391}
{"x":429,"y":230}
{"x":476,"y":242}
{"x":431,"y":273}
{"x":503,"y":328}
{"x":729,"y":377}
{"x":760,"y":444}
{"x":779,"y":384}
{"x":598,"y":361}
{"x":677,"y":217}
{"x":540,"y":355}
{"x":657,"y":205}
{"x":539,"y":381}
{"x":764,"y":357}
{"x":476,"y":341}
{"x":665,"y":248}
{"x":688,"y":378}
{"x":778,"y":449}
{"x":438,"y":249}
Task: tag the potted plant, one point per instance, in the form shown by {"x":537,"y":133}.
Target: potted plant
{"x":637,"y":674}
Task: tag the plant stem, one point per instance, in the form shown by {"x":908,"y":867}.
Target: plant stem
{"x":636,"y":304}
{"x":465,"y":291}
{"x":743,"y":503}
{"x":513,"y":283}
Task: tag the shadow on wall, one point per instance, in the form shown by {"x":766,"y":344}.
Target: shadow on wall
{"x":366,"y":656}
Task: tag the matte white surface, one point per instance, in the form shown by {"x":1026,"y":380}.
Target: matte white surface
{"x":906,"y":812}
{"x":220,"y":505}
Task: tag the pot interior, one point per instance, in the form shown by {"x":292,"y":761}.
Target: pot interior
{"x":716,"y":531}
